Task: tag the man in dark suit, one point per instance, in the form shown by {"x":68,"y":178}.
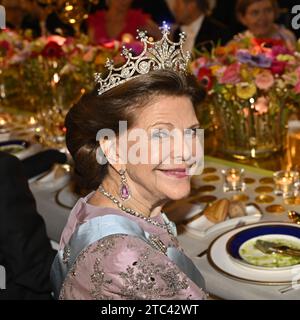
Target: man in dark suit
{"x":201,"y":30}
{"x":25,"y":250}
{"x":158,"y":9}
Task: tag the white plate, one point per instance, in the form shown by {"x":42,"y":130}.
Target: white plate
{"x":30,"y":151}
{"x":66,"y":198}
{"x":202,"y":227}
{"x":56,"y":178}
{"x":223,"y":263}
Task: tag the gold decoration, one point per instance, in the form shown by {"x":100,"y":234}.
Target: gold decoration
{"x":206,"y":188}
{"x":275,"y":208}
{"x":292,"y":201}
{"x":211,"y":178}
{"x":249,"y":180}
{"x":264,"y":189}
{"x":266,"y":180}
{"x":209,"y":170}
{"x":264,"y":198}
{"x":240,"y":197}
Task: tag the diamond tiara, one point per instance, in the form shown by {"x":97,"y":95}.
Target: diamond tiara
{"x":163,"y":54}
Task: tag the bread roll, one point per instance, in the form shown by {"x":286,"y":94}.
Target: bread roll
{"x":218,"y":211}
{"x":236,"y":209}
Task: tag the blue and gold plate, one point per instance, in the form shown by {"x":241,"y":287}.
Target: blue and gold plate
{"x":241,"y":246}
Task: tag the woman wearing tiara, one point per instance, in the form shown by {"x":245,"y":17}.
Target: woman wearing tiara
{"x":117,"y":243}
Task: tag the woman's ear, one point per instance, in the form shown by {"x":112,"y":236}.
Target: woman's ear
{"x":108,"y":148}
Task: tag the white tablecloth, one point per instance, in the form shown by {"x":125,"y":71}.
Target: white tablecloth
{"x":56,"y":217}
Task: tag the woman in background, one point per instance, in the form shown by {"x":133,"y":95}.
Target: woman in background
{"x":119,"y":19}
{"x":259,"y":18}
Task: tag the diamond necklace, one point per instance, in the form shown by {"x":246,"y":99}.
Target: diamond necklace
{"x":133,"y":212}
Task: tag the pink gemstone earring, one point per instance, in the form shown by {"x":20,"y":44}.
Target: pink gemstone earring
{"x":124,"y":189}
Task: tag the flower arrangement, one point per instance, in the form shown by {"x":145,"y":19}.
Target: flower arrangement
{"x":250,"y":68}
{"x":49,"y":70}
{"x":252,"y":84}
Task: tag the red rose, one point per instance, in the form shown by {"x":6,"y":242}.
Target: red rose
{"x":5,"y":48}
{"x":52,"y":50}
{"x":278,"y":67}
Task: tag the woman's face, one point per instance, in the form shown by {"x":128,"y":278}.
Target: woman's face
{"x":259,"y":18}
{"x":167,"y":150}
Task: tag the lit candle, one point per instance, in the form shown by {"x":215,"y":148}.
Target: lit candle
{"x":233,"y":179}
{"x":32,"y":121}
{"x":285,"y":182}
{"x":2,"y":122}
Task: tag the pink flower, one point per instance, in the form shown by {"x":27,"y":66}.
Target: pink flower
{"x":89,"y":55}
{"x":298,"y":73}
{"x":297,"y":87}
{"x":58,"y":39}
{"x":231,"y":74}
{"x":264,"y":80}
{"x":262,"y":105}
{"x":246,"y":112}
{"x":277,"y":50}
{"x":200,"y":62}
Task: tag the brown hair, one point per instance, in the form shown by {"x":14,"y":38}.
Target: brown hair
{"x":94,"y":112}
{"x":242,"y":6}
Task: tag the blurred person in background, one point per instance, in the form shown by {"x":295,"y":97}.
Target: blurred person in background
{"x":15,"y":12}
{"x":25,"y":249}
{"x":161,"y":11}
{"x":202,"y":31}
{"x":119,"y":19}
{"x":259,"y":16}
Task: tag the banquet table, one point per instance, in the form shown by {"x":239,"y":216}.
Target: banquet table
{"x":218,"y":285}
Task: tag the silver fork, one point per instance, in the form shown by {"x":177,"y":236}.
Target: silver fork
{"x":289,"y":288}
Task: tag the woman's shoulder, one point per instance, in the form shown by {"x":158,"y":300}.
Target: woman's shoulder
{"x":126,"y":267}
{"x":285,"y":33}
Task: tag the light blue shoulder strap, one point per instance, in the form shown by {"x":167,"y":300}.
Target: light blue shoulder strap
{"x":100,"y":227}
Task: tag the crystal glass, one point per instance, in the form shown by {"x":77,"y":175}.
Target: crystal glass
{"x":233,"y":179}
{"x":286,"y":183}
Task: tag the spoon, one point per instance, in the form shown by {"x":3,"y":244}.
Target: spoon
{"x":294,"y":216}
